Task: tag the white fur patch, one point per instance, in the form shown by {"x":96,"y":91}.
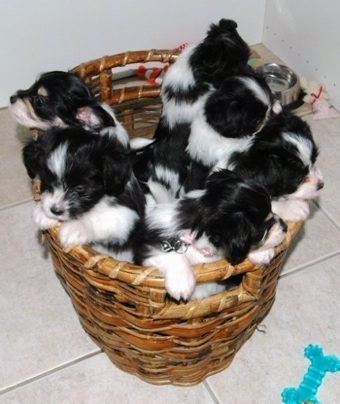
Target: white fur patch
{"x":24,"y":114}
{"x":209,"y":147}
{"x":162,"y":216}
{"x":159,"y":192}
{"x":180,"y":75}
{"x":117,"y":132}
{"x":167,"y":176}
{"x":303,"y":145}
{"x":182,"y":112}
{"x":294,"y":210}
{"x":256,"y":89}
{"x":138,"y":143}
{"x":102,"y":223}
{"x":56,"y":162}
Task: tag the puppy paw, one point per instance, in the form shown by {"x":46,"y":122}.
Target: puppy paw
{"x":294,"y":210}
{"x":180,"y":284}
{"x":41,"y":220}
{"x":261,"y":257}
{"x":72,"y":234}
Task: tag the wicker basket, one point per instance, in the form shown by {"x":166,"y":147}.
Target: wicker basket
{"x":124,"y":308}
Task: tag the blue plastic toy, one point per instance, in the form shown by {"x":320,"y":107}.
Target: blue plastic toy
{"x":320,"y":365}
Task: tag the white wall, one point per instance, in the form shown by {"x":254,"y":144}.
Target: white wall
{"x":42,"y":35}
{"x":306,"y":36}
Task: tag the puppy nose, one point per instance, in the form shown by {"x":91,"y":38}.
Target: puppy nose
{"x":57,"y":211}
{"x":13,"y":99}
{"x":320,"y":185}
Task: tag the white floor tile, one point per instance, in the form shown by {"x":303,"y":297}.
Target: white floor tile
{"x":96,"y":380}
{"x":327,"y":135}
{"x":318,"y":237}
{"x":14,"y":182}
{"x":39,"y":328}
{"x":306,"y":311}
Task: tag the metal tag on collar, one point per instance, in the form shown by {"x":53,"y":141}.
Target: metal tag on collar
{"x":179,"y":246}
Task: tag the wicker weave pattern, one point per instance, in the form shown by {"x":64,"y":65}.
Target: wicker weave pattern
{"x":138,"y":100}
{"x":124,"y":307}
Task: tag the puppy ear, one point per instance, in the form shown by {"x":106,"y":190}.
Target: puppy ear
{"x":94,"y":117}
{"x":116,"y":168}
{"x":32,"y":154}
{"x":239,"y":240}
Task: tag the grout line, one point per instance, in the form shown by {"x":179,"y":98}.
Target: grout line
{"x":48,"y":373}
{"x":328,"y":216}
{"x":211,"y":392}
{"x":308,"y":264}
{"x":16,"y":204}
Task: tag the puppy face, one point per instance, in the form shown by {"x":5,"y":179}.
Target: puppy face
{"x":235,"y":216}
{"x":58,"y":98}
{"x":282,"y":157}
{"x":240,"y":107}
{"x":307,"y":178}
{"x":76,"y":169}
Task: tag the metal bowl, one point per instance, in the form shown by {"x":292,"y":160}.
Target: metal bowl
{"x":282,"y":81}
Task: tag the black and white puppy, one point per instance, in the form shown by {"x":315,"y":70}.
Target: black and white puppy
{"x":87,"y":185}
{"x":199,"y":69}
{"x":282,"y":157}
{"x":59,"y":98}
{"x":62,"y":99}
{"x":231,"y":218}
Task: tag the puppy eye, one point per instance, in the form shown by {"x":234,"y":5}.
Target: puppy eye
{"x":79,"y":188}
{"x":216,"y":239}
{"x":46,"y":187}
{"x":38,"y":101}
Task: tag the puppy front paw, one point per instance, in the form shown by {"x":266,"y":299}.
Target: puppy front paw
{"x":262,"y":257}
{"x":180,"y":284}
{"x":72,"y":234}
{"x":41,"y":220}
{"x":294,"y":210}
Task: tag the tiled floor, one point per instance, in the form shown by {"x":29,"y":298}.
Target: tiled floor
{"x":46,"y":357}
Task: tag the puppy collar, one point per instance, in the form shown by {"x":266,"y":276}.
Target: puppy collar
{"x":189,"y":238}
{"x":181,"y":245}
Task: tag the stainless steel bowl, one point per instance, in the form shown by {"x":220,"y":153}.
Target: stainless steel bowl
{"x":283,"y":82}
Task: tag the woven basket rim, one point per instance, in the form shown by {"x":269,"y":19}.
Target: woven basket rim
{"x":149,"y":275}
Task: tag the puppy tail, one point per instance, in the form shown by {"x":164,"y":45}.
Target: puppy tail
{"x":159,"y":192}
{"x":139,"y":143}
{"x":227,"y":25}
{"x":224,"y":26}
